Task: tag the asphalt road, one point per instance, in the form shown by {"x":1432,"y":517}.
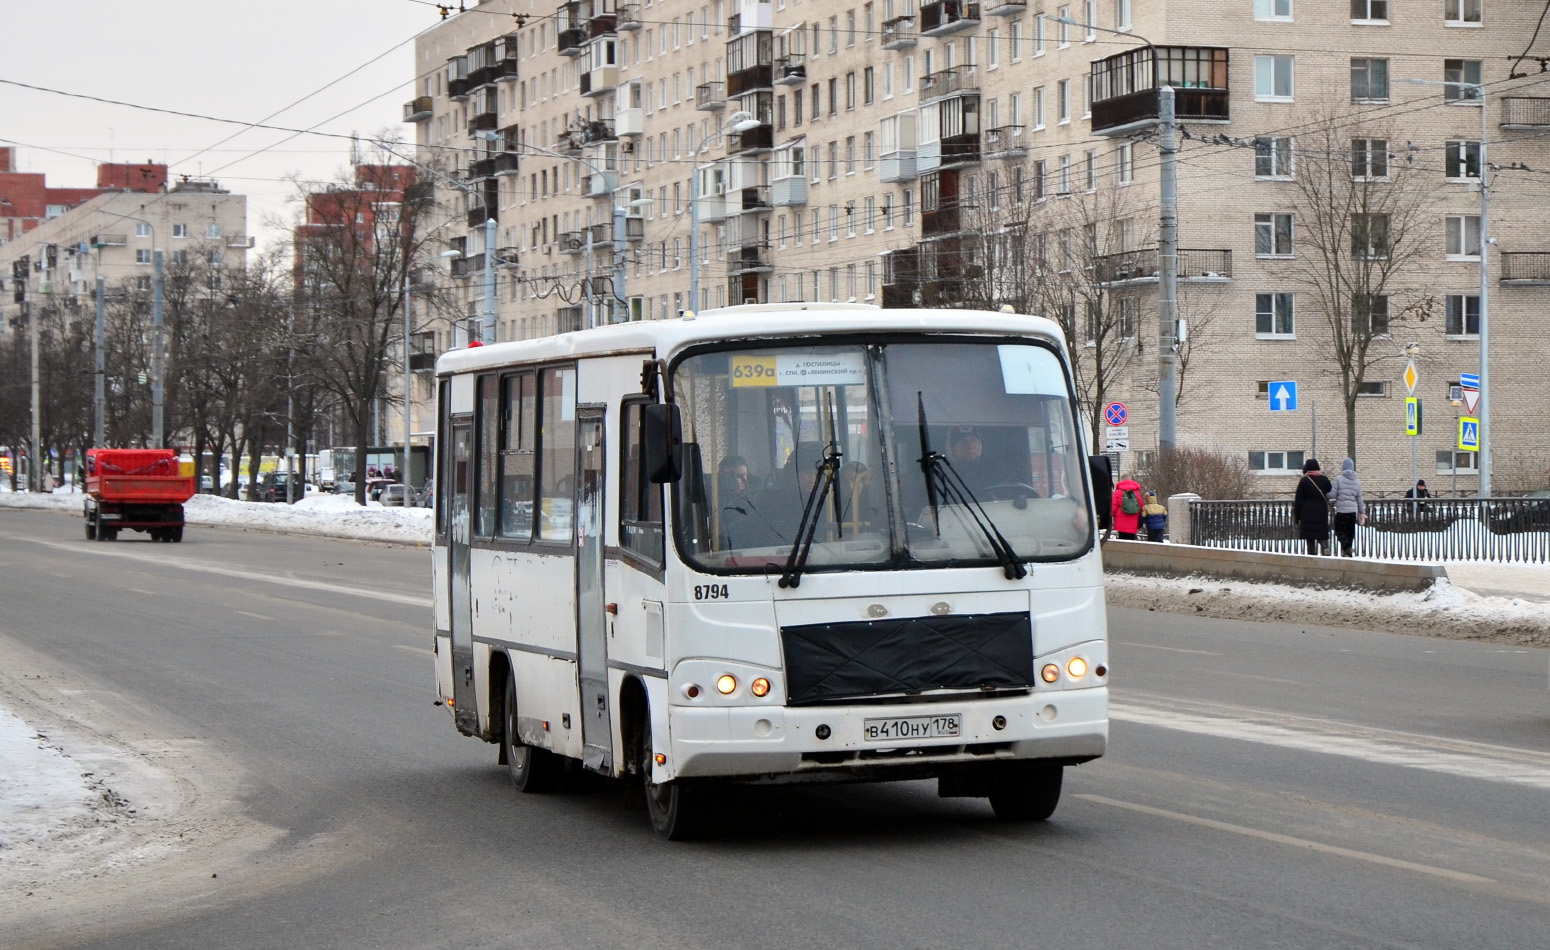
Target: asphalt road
{"x":1267,"y":786}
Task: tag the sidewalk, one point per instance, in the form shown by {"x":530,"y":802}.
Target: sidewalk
{"x":1527,"y":582}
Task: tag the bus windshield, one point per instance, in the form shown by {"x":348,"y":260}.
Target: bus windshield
{"x":890,"y":455}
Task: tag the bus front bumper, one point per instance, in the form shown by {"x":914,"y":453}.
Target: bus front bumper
{"x":783,"y":744}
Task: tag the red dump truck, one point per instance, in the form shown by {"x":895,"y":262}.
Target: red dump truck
{"x":142,"y":489}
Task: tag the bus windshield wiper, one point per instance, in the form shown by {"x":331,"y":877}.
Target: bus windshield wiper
{"x":939,"y":472}
{"x":797,"y":561}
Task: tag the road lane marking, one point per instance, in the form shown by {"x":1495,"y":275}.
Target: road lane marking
{"x":245,"y":613}
{"x":185,"y":565}
{"x":1153,"y":646}
{"x":1294,"y":842}
{"x":1455,"y":757}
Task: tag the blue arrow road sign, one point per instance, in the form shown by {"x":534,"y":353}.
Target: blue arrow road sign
{"x":1283,"y":396}
{"x":1469,"y":380}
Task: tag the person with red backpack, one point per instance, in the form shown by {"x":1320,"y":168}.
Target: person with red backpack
{"x":1126,"y":508}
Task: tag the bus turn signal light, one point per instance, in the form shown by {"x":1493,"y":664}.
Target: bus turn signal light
{"x":1051,"y":673}
{"x":726,"y":684}
{"x":759,"y":687}
{"x":1077,"y":667}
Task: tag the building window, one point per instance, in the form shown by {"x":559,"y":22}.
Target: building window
{"x":1369,"y":80}
{"x":142,"y":229}
{"x":1463,"y":237}
{"x":1370,"y":11}
{"x":1272,"y":9}
{"x":1038,"y":108}
{"x":1272,"y":157}
{"x":180,"y":230}
{"x":1463,"y":159}
{"x":1122,"y":14}
{"x":1369,"y":159}
{"x":213,"y":231}
{"x":1273,"y":235}
{"x":1450,"y":462}
{"x":1125,"y":163}
{"x":142,"y":256}
{"x":1273,"y":78}
{"x":868,"y":85}
{"x":1369,"y":236}
{"x":1463,"y":315}
{"x":1370,"y":315}
{"x":1274,"y":315}
{"x":1461,"y":70}
{"x":1063,"y":100}
{"x":1461,"y":12}
{"x":1276,"y":463}
{"x":1063,"y":26}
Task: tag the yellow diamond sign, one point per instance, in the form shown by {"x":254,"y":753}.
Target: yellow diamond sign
{"x":1411,"y":377}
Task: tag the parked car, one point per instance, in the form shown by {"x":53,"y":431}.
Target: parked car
{"x":398,"y":496}
{"x":375,"y":487}
{"x":428,"y":494}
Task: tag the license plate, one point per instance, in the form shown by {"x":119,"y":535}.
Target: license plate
{"x":913,"y":727}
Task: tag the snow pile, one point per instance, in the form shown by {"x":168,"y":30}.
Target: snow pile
{"x":43,"y":794}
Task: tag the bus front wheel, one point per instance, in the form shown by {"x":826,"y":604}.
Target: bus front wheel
{"x":676,"y":810}
{"x":532,"y":770}
{"x":1026,"y":793}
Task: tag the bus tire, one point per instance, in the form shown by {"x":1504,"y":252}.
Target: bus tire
{"x":532,"y":770}
{"x":676,"y":809}
{"x":1026,"y":793}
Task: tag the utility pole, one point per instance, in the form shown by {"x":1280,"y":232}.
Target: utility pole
{"x":157,"y":356}
{"x":408,"y":428}
{"x":487,"y":332}
{"x":1167,"y":268}
{"x":99,"y":389}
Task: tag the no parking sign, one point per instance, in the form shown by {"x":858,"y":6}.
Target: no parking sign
{"x":1115,"y":414}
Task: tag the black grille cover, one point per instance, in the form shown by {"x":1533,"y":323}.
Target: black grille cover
{"x":829,"y":662}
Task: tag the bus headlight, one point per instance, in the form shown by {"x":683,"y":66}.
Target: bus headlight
{"x":759,"y":687}
{"x":1051,"y":673}
{"x":726,"y":684}
{"x":1077,"y":667}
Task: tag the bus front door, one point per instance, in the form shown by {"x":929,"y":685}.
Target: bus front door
{"x":591,"y":613}
{"x":458,"y":481}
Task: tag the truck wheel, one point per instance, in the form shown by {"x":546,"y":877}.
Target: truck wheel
{"x":175,"y":534}
{"x":532,"y":770}
{"x":91,"y":529}
{"x":1026,"y":793}
{"x":107,"y":534}
{"x":676,"y":809}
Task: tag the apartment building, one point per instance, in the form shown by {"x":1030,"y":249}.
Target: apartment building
{"x":52,"y":266}
{"x":948,"y":153}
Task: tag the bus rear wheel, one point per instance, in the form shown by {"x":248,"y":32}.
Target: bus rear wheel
{"x":532,"y":770}
{"x":676,"y":809}
{"x":1026,"y":793}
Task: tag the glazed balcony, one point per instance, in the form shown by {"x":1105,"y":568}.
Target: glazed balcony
{"x":761,"y":138}
{"x":749,"y":200}
{"x":573,"y":42}
{"x":751,"y":259}
{"x":789,"y":192}
{"x":599,"y":81}
{"x":468,"y":266}
{"x":603,"y":25}
{"x":1125,"y":96}
{"x":418,"y":109}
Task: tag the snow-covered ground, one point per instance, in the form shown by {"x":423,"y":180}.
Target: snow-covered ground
{"x":49,"y":800}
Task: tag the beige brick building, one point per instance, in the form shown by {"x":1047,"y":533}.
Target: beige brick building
{"x":908,"y":153}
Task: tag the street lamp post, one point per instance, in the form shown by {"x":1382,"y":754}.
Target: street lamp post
{"x":1484,"y":454}
{"x":739,"y":121}
{"x":1167,"y":245}
{"x":158,"y":352}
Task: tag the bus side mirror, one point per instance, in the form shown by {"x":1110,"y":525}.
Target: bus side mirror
{"x":1101,"y":468}
{"x":662,"y":438}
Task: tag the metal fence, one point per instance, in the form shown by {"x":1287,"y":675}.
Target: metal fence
{"x":1427,"y":529}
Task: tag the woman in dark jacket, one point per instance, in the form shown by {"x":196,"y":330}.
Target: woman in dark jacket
{"x":1310,"y":508}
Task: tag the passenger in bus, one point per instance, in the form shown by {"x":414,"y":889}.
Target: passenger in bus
{"x":734,"y":502}
{"x":776,"y":511}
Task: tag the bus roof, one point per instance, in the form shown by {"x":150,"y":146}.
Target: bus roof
{"x":664,"y":338}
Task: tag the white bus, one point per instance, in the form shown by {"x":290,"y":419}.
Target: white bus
{"x":774,"y":543}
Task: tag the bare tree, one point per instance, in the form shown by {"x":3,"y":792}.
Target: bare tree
{"x":1362,"y":224}
{"x":353,"y":257}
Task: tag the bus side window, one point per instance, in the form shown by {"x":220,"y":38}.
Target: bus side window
{"x":443,"y":454}
{"x":517,"y":457}
{"x":640,"y":501}
{"x":489,"y":427}
{"x":557,"y":455}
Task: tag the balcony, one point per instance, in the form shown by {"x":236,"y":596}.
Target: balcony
{"x":789,"y":192}
{"x":567,"y":319}
{"x":629,"y":17}
{"x":505,"y":163}
{"x":1124,"y":98}
{"x":758,"y":139}
{"x":418,"y":109}
{"x":790,"y":70}
{"x":1005,"y":142}
{"x":947,"y":82}
{"x":109,"y":240}
{"x":1006,"y":7}
{"x":948,"y":152}
{"x":946,"y":17}
{"x":1525,"y":112}
{"x":753,"y":259}
{"x":598,"y":130}
{"x":478,"y":215}
{"x":483,"y":122}
{"x":240,"y":241}
{"x":506,"y":69}
{"x":712,"y":208}
{"x":570,"y":142}
{"x":710,"y":97}
{"x":481,"y":169}
{"x":896,"y":166}
{"x":599,"y":81}
{"x":507,"y":257}
{"x":1140,"y":266}
{"x":458,"y":88}
{"x":599,"y":235}
{"x":571,"y":242}
{"x":746,"y":200}
{"x":602,"y":184}
{"x":752,"y":79}
{"x":901,"y":277}
{"x":899,"y":33}
{"x":1525,"y":268}
{"x":634,"y":228}
{"x":603,"y":25}
{"x":573,"y":42}
{"x":628,"y":121}
{"x":468,"y":266}
{"x":947,"y":218}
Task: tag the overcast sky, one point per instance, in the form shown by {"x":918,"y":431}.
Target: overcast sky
{"x":220,"y":58}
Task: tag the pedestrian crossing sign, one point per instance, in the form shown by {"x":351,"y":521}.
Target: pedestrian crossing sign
{"x":1412,"y":415}
{"x":1469,"y":434}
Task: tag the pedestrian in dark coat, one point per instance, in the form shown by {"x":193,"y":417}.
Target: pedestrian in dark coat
{"x":1310,"y":508}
